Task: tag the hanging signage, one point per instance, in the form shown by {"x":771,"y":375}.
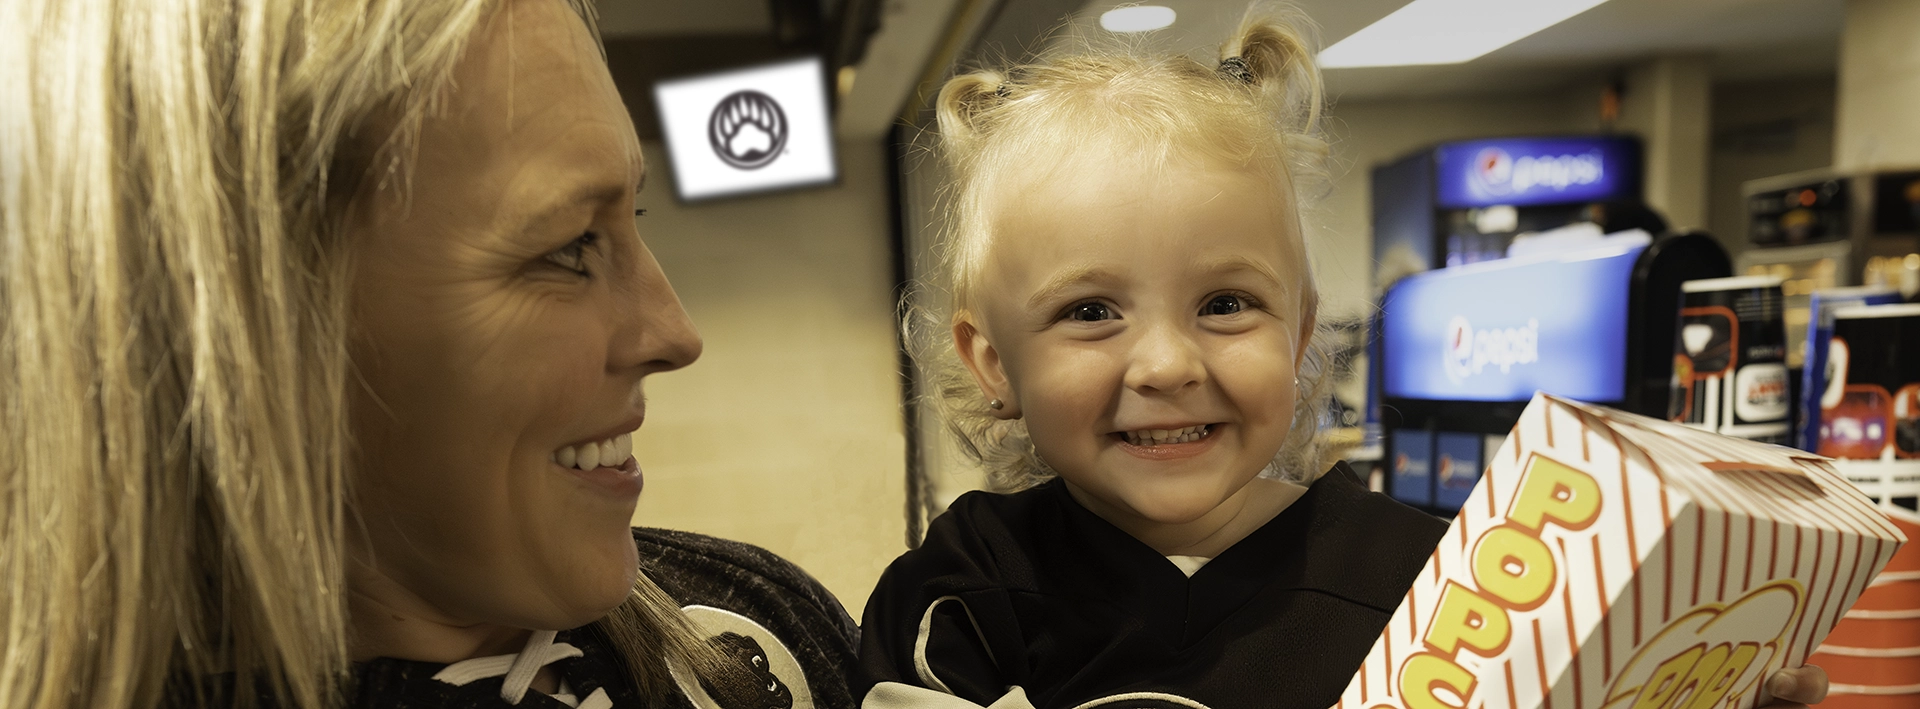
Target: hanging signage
{"x":749,"y":130}
{"x":1530,"y":171}
{"x":1501,"y":330}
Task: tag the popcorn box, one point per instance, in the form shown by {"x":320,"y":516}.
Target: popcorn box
{"x":1613,"y":561}
{"x":1873,"y":655}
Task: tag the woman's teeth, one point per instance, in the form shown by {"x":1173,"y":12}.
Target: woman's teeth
{"x":610,"y":453}
{"x":1157,"y":436}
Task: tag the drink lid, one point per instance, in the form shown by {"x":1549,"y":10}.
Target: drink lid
{"x":1853,"y":291}
{"x":1895,"y":310}
{"x":1733,"y":283}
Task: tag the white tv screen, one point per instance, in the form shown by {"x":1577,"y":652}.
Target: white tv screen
{"x":748,"y":130}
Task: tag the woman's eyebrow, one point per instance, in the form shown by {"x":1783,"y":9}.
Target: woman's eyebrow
{"x":590,"y":193}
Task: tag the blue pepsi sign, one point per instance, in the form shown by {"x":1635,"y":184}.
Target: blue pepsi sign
{"x":1456,"y":467}
{"x":1499,"y":330}
{"x":1526,"y":171}
{"x":1413,"y":466}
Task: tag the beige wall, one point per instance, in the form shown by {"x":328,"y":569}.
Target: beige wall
{"x":1879,"y":85}
{"x":787,"y":433}
{"x":1764,"y":129}
{"x":1668,"y":103}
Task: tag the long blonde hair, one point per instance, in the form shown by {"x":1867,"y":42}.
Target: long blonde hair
{"x":1260,"y":107}
{"x":173,"y":431}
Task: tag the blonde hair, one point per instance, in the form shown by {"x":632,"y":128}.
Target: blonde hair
{"x":173,"y":433}
{"x":1259,"y":108}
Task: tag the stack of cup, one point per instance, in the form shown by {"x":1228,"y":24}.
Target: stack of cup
{"x":1870,"y":420}
{"x":1730,"y":359}
{"x":1871,"y":412}
{"x":1872,"y":657}
{"x":1817,"y":376}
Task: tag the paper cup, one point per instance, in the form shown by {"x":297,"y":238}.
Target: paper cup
{"x":1730,"y":359}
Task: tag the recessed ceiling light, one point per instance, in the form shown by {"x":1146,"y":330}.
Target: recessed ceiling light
{"x":1138,"y":18}
{"x":1448,"y":31}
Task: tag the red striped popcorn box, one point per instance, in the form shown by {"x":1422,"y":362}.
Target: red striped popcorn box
{"x":1613,"y":561}
{"x":1873,"y":655}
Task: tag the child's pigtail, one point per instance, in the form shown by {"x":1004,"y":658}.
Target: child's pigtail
{"x":964,"y":105}
{"x":1273,"y":51}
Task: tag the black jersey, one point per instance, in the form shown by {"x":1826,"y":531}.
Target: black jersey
{"x":796,"y":642}
{"x":1032,"y":593}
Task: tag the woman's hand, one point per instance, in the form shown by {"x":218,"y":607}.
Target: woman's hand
{"x":1798,"y":687}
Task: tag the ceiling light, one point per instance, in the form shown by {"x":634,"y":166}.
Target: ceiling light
{"x":1138,"y":18}
{"x":1448,"y":31}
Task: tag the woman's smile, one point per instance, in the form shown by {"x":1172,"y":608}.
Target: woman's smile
{"x":622,"y":479}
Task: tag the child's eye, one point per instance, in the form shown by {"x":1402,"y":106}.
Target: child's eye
{"x":1224,"y":305}
{"x":1090,"y":312}
{"x":573,"y":256}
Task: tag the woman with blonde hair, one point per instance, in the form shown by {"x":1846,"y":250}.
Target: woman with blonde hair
{"x":322,"y":327}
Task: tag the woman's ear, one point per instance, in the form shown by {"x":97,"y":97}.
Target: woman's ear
{"x":1307,"y":324}
{"x":983,"y":362}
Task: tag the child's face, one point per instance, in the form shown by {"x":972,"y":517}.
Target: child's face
{"x":1118,"y":301}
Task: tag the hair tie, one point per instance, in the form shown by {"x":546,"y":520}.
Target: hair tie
{"x":1235,"y":68}
{"x":1003,"y":91}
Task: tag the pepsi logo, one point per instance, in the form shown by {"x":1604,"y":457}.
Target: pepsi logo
{"x":1493,"y":169}
{"x":1459,"y":353}
{"x":747,"y":130}
{"x":1469,"y":352}
{"x":1497,"y":173}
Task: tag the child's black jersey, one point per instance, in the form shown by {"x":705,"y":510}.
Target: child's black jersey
{"x":1032,"y":591}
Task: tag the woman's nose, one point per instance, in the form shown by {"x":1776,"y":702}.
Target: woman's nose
{"x":655,"y":333}
{"x":1165,"y":360}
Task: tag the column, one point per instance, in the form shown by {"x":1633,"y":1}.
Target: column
{"x":1878,"y":117}
{"x":1668,"y":103}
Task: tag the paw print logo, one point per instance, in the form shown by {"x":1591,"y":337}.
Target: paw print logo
{"x":747,"y":130}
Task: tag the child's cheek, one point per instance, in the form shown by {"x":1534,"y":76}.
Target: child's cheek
{"x":1257,"y":375}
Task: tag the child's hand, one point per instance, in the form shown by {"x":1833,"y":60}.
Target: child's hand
{"x":1798,"y":687}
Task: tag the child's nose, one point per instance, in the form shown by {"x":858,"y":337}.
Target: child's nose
{"x":1165,"y":360}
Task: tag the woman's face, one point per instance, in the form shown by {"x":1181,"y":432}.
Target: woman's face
{"x":505,"y":312}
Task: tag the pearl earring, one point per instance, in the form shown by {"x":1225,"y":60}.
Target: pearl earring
{"x":996,"y":405}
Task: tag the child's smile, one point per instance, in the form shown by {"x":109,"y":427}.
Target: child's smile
{"x":1166,"y":442}
{"x":1145,"y":322}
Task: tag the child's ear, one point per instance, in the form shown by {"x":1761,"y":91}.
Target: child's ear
{"x":983,"y":362}
{"x":1307,"y":324}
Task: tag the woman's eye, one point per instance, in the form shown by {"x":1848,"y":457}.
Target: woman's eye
{"x":1224,"y":305}
{"x":1090,"y":312}
{"x":573,"y":256}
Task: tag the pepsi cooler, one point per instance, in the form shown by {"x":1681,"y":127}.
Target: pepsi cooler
{"x":1463,"y":349}
{"x":1463,"y":202}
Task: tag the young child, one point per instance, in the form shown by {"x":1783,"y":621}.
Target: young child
{"x":1132,"y":321}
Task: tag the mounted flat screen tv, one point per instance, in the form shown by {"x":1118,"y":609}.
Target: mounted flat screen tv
{"x":749,"y":130}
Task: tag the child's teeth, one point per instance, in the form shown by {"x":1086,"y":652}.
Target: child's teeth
{"x":1155,"y":436}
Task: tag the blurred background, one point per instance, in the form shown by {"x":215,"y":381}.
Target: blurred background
{"x":1766,"y":132}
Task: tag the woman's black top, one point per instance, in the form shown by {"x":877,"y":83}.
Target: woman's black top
{"x":795,"y":641}
{"x":1031,"y":590}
